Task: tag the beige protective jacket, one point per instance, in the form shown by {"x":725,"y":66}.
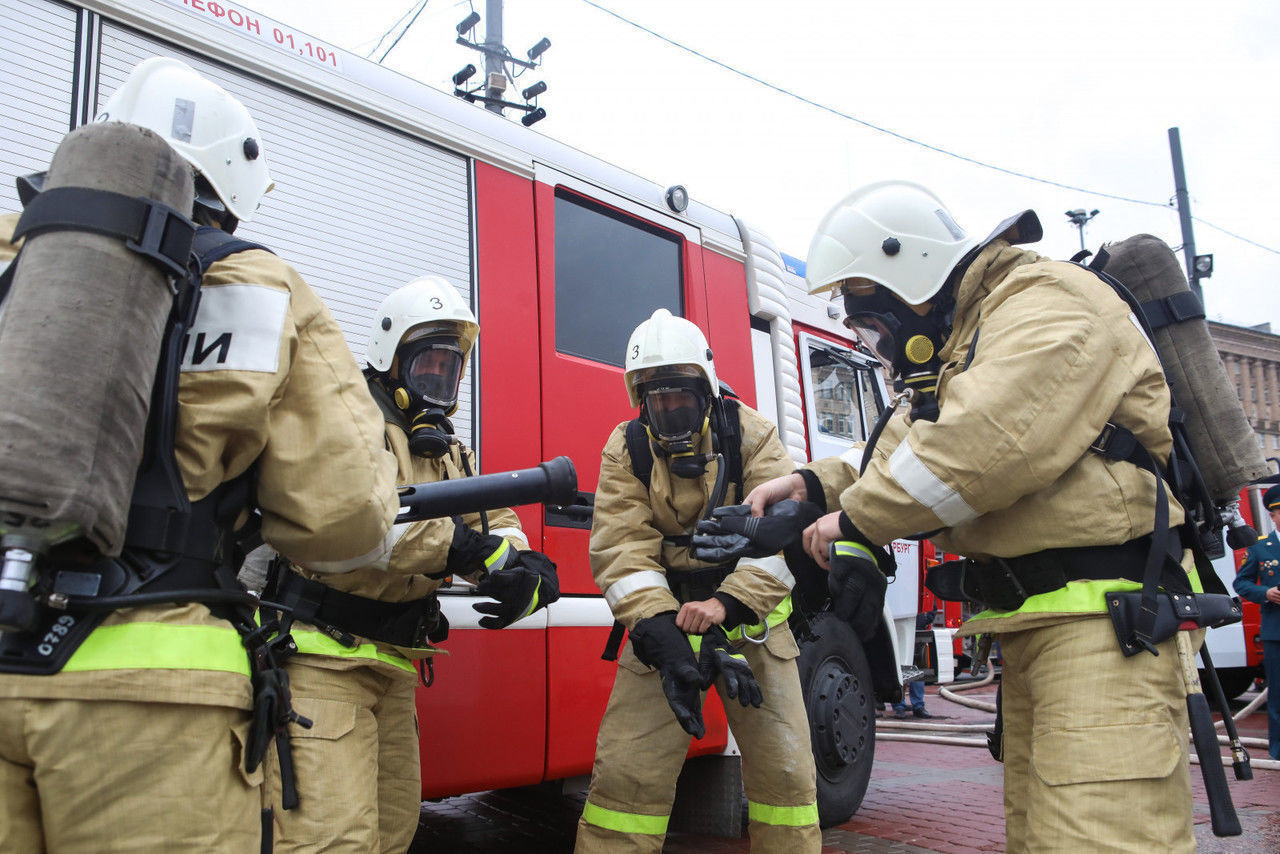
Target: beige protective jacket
{"x":285,"y":394}
{"x":630,"y":561}
{"x":1006,"y":469}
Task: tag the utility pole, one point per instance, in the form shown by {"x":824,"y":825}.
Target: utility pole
{"x":495,"y":76}
{"x":491,"y":91}
{"x":1184,"y":215}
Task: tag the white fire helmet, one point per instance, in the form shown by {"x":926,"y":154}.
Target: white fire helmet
{"x":894,"y":233}
{"x":427,"y":305}
{"x":203,"y":122}
{"x":667,"y":346}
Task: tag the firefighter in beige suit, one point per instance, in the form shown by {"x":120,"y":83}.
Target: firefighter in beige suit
{"x":138,"y":744}
{"x":360,"y":633}
{"x":673,"y":604}
{"x":1031,"y":359}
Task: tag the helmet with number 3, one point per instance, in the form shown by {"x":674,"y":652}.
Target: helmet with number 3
{"x":422,"y":335}
{"x":670,"y":373}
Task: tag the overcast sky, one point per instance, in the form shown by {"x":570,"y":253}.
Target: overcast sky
{"x":1078,"y":93}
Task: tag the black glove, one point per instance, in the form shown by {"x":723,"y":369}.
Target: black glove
{"x":525,"y":584}
{"x":719,"y":658}
{"x":857,"y":585}
{"x":659,"y":643}
{"x":732,"y":532}
{"x":472,"y":551}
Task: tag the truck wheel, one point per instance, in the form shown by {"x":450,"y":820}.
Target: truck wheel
{"x":1235,"y":680}
{"x":836,"y":681}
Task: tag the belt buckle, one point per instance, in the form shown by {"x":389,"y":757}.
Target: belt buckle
{"x":1104,"y":438}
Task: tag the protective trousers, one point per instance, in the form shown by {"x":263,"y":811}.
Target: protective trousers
{"x":641,"y":749}
{"x":358,"y":772}
{"x":1095,"y":744}
{"x":95,"y":776}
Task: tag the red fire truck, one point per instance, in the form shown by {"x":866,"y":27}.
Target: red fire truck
{"x":381,"y":179}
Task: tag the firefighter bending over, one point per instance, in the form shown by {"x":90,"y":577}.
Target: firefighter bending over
{"x":142,"y":740}
{"x":1018,"y":363}
{"x":691,"y":623}
{"x":358,"y":768}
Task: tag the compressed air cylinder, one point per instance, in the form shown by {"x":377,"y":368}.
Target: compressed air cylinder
{"x":80,"y":336}
{"x":1224,"y":445}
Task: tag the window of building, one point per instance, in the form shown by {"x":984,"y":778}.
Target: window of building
{"x":612,"y":272}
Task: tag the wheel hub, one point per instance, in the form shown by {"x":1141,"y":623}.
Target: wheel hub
{"x":839,"y":717}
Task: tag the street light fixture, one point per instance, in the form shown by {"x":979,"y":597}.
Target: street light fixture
{"x":1203,"y":266}
{"x":534,"y":91}
{"x":468,"y":23}
{"x":1079,"y":217}
{"x":538,"y":49}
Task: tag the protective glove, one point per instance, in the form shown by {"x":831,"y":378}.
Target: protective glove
{"x":857,"y":584}
{"x":522,"y":586}
{"x":732,"y":532}
{"x":658,"y":642}
{"x":717,"y":657}
{"x":471,"y":551}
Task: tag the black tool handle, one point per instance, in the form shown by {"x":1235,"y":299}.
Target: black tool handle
{"x":552,"y":482}
{"x":1221,"y":810}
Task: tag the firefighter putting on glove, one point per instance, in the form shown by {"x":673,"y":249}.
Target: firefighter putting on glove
{"x":691,"y":623}
{"x":142,"y":738}
{"x":1018,"y":364}
{"x":358,"y":768}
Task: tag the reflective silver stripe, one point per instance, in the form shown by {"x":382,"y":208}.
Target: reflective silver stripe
{"x":642,"y":580}
{"x":925,"y":487}
{"x":853,"y":456}
{"x":774,"y":565}
{"x":398,"y":530}
{"x":369,"y":558}
{"x":1138,"y":325}
{"x":511,"y":532}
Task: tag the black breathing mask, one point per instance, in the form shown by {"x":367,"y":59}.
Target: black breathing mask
{"x":905,"y":342}
{"x":426,"y":391}
{"x":676,"y":412}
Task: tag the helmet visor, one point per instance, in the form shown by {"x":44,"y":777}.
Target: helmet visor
{"x":432,"y":370}
{"x":676,"y":409}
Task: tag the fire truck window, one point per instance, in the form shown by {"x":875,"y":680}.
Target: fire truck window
{"x":844,"y":395}
{"x":612,"y":273}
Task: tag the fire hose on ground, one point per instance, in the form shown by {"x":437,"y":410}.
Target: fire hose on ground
{"x":951,"y":734}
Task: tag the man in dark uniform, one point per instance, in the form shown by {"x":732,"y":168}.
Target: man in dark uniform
{"x":1257,"y":581}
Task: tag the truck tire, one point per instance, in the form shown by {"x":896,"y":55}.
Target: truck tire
{"x":1235,"y":680}
{"x":836,"y":681}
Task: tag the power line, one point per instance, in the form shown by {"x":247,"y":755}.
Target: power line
{"x":391,"y":29}
{"x":408,"y":27}
{"x":896,"y":135}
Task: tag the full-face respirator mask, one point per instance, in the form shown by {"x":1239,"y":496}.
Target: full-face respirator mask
{"x":676,"y":413}
{"x":905,"y":342}
{"x":425,"y":389}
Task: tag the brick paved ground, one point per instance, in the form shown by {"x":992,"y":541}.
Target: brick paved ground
{"x":922,"y":798}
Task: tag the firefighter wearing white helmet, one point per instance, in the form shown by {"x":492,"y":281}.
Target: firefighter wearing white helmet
{"x":692,"y":624}
{"x":145,"y":736}
{"x":1032,"y":360}
{"x":360,"y":692}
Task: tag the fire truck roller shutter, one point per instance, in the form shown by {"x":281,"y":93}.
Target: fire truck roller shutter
{"x":1221,"y":439}
{"x":80,"y":339}
{"x":358,"y":208}
{"x":36,"y":65}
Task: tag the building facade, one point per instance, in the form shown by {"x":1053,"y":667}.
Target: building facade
{"x":1252,"y":358}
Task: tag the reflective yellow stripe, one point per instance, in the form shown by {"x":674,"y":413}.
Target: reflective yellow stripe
{"x":161,"y":646}
{"x":1078,"y":597}
{"x":695,"y":641}
{"x":848,"y":548}
{"x":498,"y":555}
{"x":629,"y":822}
{"x":776,"y":616}
{"x":318,"y":643}
{"x":783,"y":816}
